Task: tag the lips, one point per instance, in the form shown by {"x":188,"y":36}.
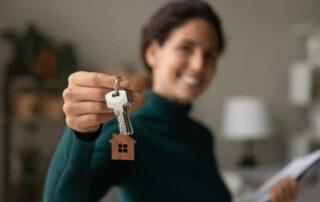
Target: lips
{"x":190,"y":80}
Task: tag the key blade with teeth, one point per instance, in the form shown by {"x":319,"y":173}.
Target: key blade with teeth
{"x":120,"y":104}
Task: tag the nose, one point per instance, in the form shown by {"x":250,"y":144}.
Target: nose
{"x":197,"y":61}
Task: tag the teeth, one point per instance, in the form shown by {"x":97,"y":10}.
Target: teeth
{"x":190,"y":80}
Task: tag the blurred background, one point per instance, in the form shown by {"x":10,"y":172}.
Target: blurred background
{"x":270,"y":72}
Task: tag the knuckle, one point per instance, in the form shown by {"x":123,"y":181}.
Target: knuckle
{"x":64,"y":93}
{"x":69,"y":122}
{"x":74,"y":123}
{"x":67,"y":108}
{"x":68,"y":94}
{"x":95,"y":79}
{"x":71,"y":77}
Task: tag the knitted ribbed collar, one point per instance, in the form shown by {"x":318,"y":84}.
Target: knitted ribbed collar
{"x":162,"y":105}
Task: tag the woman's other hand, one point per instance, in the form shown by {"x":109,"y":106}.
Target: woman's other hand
{"x":286,"y":190}
{"x":84,"y":99}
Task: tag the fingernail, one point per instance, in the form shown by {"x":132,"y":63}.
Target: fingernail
{"x":124,"y":84}
{"x":136,"y":96}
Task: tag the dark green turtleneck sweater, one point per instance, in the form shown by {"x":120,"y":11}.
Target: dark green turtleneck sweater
{"x":174,"y":160}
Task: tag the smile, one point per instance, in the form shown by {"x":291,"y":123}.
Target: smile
{"x":190,"y":80}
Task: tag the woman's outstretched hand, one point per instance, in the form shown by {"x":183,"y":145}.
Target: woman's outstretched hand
{"x":84,"y":99}
{"x":286,"y":190}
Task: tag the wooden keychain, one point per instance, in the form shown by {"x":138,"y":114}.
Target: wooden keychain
{"x":122,"y":145}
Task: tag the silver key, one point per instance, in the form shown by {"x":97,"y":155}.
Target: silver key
{"x":120,"y":101}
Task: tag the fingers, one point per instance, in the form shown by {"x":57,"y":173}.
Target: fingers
{"x":284,"y":191}
{"x":84,"y":99}
{"x":91,"y":129}
{"x":276,"y":195}
{"x":85,"y":93}
{"x":293,"y":186}
{"x":81,"y":108}
{"x":85,"y":123}
{"x":89,"y":94}
{"x":96,"y":79}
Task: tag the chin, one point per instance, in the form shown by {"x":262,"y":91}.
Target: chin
{"x":188,"y":92}
{"x":187,"y":96}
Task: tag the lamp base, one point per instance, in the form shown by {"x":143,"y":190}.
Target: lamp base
{"x":248,"y":160}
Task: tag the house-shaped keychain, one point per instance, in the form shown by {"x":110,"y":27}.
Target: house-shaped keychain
{"x":122,"y":147}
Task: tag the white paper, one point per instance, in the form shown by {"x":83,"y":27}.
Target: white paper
{"x":294,"y":170}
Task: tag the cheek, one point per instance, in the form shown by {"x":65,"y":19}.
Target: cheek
{"x":209,"y":75}
{"x":175,"y":61}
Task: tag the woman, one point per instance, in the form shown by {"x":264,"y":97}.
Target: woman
{"x":173,"y":155}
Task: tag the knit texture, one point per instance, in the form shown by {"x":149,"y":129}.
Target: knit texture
{"x":174,"y":160}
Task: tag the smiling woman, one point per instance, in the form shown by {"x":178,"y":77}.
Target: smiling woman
{"x":187,"y":61}
{"x":173,"y":160}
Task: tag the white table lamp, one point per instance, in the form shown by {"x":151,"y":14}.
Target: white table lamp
{"x":246,"y":119}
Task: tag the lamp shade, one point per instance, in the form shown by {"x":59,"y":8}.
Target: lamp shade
{"x":246,"y":118}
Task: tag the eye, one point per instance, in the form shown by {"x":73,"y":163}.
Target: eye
{"x":186,"y":49}
{"x":210,"y":55}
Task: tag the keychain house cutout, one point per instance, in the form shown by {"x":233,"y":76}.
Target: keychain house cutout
{"x":122,"y":147}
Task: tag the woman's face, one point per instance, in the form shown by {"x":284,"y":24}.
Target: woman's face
{"x":185,"y":64}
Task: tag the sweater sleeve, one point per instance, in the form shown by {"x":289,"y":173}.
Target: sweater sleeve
{"x":81,"y":171}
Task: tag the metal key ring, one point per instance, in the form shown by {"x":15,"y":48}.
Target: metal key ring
{"x":116,"y":86}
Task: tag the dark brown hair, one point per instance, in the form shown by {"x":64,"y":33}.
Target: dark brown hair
{"x":173,"y":15}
